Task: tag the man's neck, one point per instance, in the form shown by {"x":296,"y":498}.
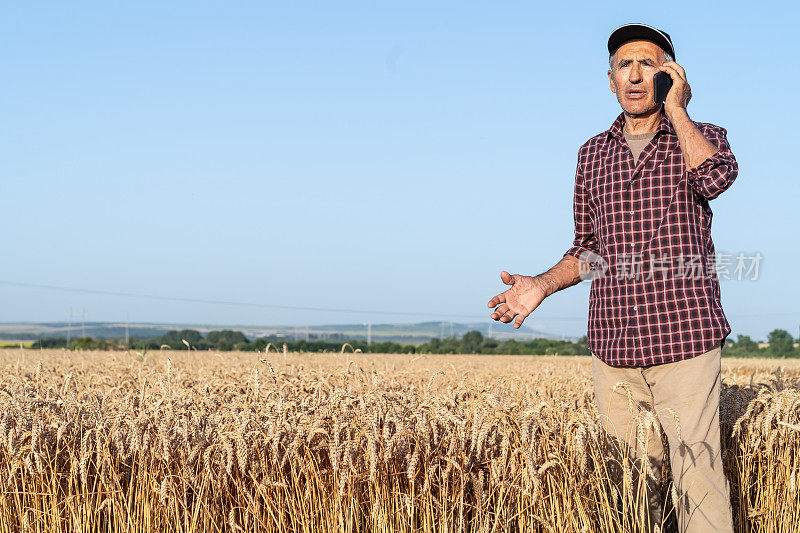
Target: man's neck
{"x":644,"y":123}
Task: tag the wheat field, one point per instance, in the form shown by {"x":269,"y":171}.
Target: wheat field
{"x":199,"y":441}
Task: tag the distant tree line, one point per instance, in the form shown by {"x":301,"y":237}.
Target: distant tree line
{"x":223,"y":340}
{"x":475,"y":342}
{"x":226,"y":340}
{"x":781,"y":344}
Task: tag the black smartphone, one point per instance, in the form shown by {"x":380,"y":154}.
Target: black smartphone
{"x":662,"y":83}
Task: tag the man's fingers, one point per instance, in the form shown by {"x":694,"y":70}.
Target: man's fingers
{"x":506,"y":278}
{"x":500,"y":311}
{"x":678,"y":69}
{"x":671,"y":71}
{"x":499,"y":299}
{"x":520,"y":319}
{"x":508,"y":317}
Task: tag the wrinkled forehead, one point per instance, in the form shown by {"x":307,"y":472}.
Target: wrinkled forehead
{"x":638,"y":49}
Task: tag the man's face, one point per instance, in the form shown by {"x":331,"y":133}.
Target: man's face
{"x":631,"y":77}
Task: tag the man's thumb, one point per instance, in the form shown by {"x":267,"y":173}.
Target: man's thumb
{"x":507,"y":278}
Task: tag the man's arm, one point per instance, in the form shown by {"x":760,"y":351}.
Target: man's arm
{"x":710,"y":165}
{"x":713,"y":175}
{"x":694,"y":145}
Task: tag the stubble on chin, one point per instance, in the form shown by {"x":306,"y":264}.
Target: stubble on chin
{"x":636,"y":111}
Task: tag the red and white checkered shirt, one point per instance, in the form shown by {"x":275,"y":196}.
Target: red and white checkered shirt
{"x":645,"y":229}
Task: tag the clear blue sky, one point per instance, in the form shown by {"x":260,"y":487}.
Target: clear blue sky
{"x":370,"y":156}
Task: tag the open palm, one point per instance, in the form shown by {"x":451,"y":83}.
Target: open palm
{"x":519,"y":301}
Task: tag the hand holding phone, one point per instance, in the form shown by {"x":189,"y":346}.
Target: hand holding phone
{"x":662,"y":83}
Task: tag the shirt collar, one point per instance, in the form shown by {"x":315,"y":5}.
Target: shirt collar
{"x":616,"y":129}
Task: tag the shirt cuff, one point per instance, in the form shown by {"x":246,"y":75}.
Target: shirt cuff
{"x":583,"y":253}
{"x":709,"y":163}
{"x":577,"y":251}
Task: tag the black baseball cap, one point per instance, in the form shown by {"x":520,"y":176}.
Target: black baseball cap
{"x":627,"y":32}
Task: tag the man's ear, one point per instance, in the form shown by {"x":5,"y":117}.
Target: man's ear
{"x":611,"y":82}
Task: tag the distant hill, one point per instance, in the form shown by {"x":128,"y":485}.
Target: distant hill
{"x":402,"y":333}
{"x":96,"y":330}
{"x":424,"y":331}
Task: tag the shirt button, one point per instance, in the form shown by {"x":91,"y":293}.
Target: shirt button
{"x":633,"y":244}
{"x":632,"y":212}
{"x":634,"y":308}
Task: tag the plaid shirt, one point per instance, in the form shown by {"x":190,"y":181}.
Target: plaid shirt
{"x":645,"y":231}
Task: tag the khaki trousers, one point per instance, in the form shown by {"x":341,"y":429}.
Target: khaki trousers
{"x":686,"y":391}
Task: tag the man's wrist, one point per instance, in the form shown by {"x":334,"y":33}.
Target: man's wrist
{"x":678,"y":117}
{"x":545,"y":283}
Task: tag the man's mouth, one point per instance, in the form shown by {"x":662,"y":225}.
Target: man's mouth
{"x":636,"y":93}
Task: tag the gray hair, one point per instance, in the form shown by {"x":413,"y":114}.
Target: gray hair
{"x":667,"y":57}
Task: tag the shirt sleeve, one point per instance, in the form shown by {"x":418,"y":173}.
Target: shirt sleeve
{"x":714,"y":175}
{"x":585,"y":239}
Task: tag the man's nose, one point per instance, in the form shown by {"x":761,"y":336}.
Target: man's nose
{"x":636,"y":74}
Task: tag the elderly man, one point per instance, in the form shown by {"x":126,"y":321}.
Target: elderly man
{"x":643,"y":236}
